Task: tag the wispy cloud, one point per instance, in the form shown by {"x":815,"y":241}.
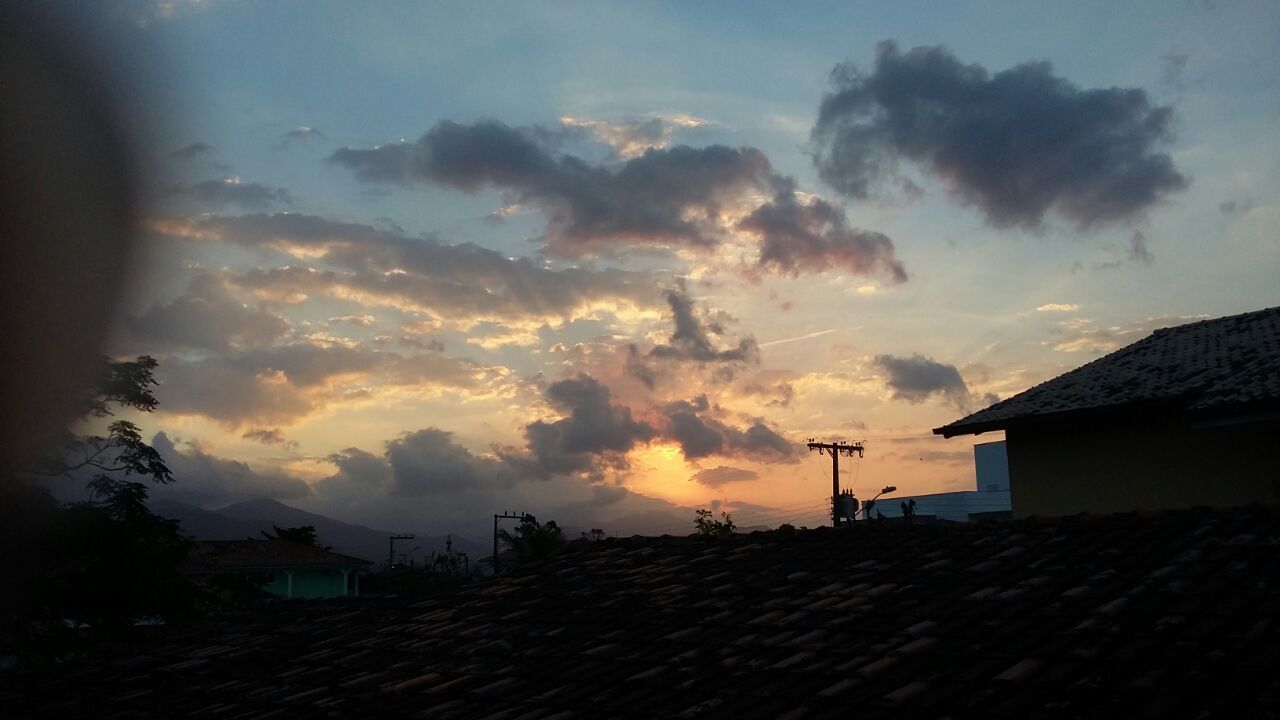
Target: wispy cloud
{"x":797,"y":338}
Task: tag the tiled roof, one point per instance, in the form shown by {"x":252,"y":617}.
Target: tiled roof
{"x":218,"y":555}
{"x":1142,"y":616}
{"x":1207,"y":366}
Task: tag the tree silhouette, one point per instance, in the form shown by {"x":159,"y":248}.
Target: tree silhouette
{"x":103,"y":564}
{"x":533,"y":541}
{"x":303,"y":535}
{"x":708,"y":526}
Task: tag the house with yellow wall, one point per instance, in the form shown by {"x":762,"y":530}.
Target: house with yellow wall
{"x":1188,"y":416}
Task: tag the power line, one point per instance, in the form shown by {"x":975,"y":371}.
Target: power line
{"x":835,"y":449}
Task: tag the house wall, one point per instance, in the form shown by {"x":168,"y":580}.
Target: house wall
{"x":1147,"y":464}
{"x":308,"y":583}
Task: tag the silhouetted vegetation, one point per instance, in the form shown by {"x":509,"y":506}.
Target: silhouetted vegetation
{"x":533,"y":540}
{"x":103,"y":565}
{"x":708,"y":526}
{"x":303,"y":535}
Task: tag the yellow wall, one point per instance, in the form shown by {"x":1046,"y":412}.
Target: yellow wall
{"x":1145,"y":465}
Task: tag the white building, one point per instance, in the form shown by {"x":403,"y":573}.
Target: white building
{"x":990,"y":493}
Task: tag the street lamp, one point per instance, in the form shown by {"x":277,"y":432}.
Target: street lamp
{"x":866,"y":506}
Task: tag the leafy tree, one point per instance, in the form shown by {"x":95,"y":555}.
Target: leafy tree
{"x":708,"y":526}
{"x":103,"y":564}
{"x":303,"y":535}
{"x":533,"y":541}
{"x":128,"y":385}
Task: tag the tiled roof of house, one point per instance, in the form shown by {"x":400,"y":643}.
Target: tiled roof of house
{"x":1207,"y":366}
{"x":1140,"y":616}
{"x":219,"y":555}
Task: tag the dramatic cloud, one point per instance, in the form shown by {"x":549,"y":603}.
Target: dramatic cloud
{"x":696,"y":438}
{"x":283,"y":383}
{"x":207,"y":316}
{"x":458,"y":284}
{"x":362,"y":477}
{"x":1016,"y":144}
{"x":814,"y":237}
{"x":758,"y":442}
{"x":268,"y":436}
{"x":428,"y":480}
{"x":691,"y":342}
{"x":218,"y":194}
{"x":431,"y":462}
{"x":724,"y":474}
{"x":673,"y":196}
{"x":691,"y":339}
{"x":693,"y":425}
{"x":593,"y":431}
{"x":208,"y":481}
{"x":916,"y":378}
{"x":631,"y":138}
{"x":676,"y":196}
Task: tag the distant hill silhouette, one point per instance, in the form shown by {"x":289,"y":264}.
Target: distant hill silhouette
{"x":251,"y":517}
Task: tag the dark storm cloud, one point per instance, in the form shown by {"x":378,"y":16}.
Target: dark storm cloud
{"x":691,"y":342}
{"x":1016,"y":144}
{"x":207,"y":316}
{"x":723,"y":474}
{"x":593,"y":428}
{"x":814,"y":237}
{"x":458,"y":282}
{"x":669,"y":196}
{"x":759,"y":442}
{"x":430,"y":462}
{"x":691,"y":339}
{"x":917,"y":377}
{"x":696,"y":438}
{"x":218,"y":194}
{"x":207,"y":480}
{"x":665,"y":196}
{"x":692,"y":425}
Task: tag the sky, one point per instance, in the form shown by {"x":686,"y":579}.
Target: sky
{"x":411,"y":264}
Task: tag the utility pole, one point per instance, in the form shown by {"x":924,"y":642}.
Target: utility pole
{"x":523,"y":517}
{"x":836,"y":449}
{"x":391,"y":548}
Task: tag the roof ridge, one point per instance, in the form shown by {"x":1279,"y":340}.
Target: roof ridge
{"x":1178,"y":361}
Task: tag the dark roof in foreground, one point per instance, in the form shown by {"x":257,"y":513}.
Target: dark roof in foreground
{"x":1204,"y":367}
{"x":1142,"y":616}
{"x":220,"y":555}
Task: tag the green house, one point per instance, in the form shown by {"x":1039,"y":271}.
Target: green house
{"x":283,"y":568}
